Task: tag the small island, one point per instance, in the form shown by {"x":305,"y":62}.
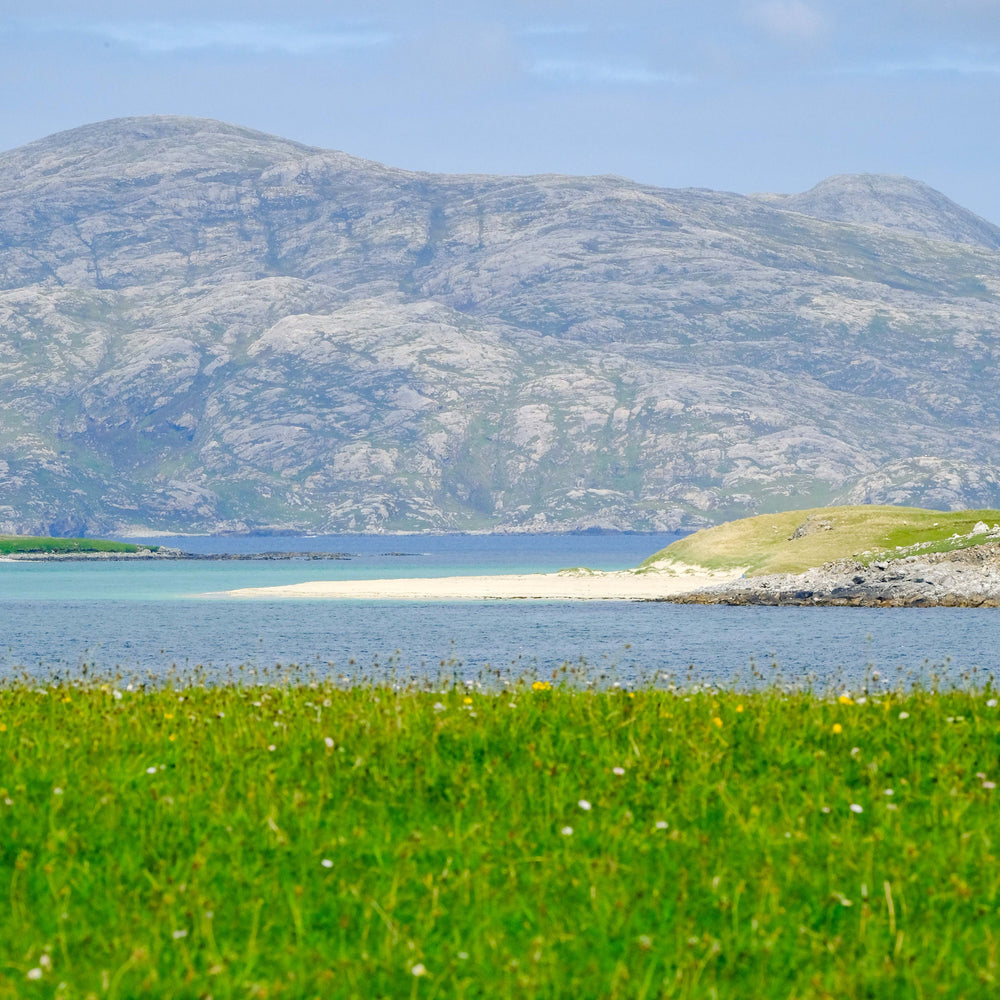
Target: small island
{"x":864,"y":555}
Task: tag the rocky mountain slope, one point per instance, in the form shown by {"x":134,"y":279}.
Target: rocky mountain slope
{"x":207,"y":328}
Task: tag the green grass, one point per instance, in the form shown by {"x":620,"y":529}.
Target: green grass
{"x":11,"y":544}
{"x":308,"y":841}
{"x":765,"y":544}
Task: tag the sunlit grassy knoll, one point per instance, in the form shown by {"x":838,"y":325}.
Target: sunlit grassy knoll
{"x":10,"y":544}
{"x":537,"y":842}
{"x":768,"y":543}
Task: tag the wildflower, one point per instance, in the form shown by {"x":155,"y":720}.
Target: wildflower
{"x":57,"y":791}
{"x":837,"y":729}
{"x":326,"y":863}
{"x":825,"y":809}
{"x":272,"y":748}
{"x":328,"y":740}
{"x":3,"y":727}
{"x":845,"y":699}
{"x":618,"y":770}
{"x":463,"y":955}
{"x":466,"y":701}
{"x":150,"y":770}
{"x":855,"y":808}
{"x":168,"y":715}
{"x":904,"y":715}
{"x":541,"y":686}
{"x":661,"y":824}
{"x":584,"y":805}
{"x":645,"y":942}
{"x":889,"y":791}
{"x":45,"y":962}
{"x":438,"y":707}
{"x":739,"y":708}
{"x":992,"y":703}
{"x":171,"y":737}
{"x":419,"y":969}
{"x":855,"y":751}
{"x":116,"y":694}
{"x":567,"y":831}
{"x":717,"y":722}
{"x":989,"y":785}
{"x":34,"y":973}
{"x":177,"y":935}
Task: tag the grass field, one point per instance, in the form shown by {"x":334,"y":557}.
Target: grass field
{"x":11,"y":544}
{"x":310,"y":841}
{"x":797,"y":540}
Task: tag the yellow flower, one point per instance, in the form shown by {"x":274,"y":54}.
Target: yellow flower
{"x":739,"y":708}
{"x":171,"y":737}
{"x":468,"y":701}
{"x":3,"y":727}
{"x":845,"y":700}
{"x":718,"y":722}
{"x":541,"y":686}
{"x":168,"y":715}
{"x":837,"y":729}
{"x":67,"y":699}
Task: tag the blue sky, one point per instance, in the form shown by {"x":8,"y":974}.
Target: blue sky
{"x":739,"y":95}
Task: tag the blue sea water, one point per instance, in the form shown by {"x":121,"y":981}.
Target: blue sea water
{"x":149,"y":618}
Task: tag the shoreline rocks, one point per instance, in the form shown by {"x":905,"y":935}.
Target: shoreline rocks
{"x":966,"y":578}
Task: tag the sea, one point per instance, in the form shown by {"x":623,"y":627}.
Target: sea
{"x":156,"y":622}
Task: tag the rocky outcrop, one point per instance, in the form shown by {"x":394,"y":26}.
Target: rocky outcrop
{"x":203,"y":328}
{"x":964,"y":578}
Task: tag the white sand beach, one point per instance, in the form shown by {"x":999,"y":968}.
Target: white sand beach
{"x":664,"y":580}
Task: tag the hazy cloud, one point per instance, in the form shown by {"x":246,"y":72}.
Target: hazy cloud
{"x":244,"y":36}
{"x":789,"y":20}
{"x":582,"y":71}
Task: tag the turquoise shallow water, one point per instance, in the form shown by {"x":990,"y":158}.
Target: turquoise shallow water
{"x":143,"y":619}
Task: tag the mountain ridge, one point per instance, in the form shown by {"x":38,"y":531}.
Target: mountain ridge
{"x":229,"y":331}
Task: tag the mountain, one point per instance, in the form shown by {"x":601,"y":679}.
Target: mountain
{"x":207,"y":328}
{"x":894,"y":203}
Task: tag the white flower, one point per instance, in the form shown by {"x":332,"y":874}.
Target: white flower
{"x":438,"y":707}
{"x":177,"y":935}
{"x":57,"y":791}
{"x":891,"y":805}
{"x":661,"y":824}
{"x":419,"y":969}
{"x":889,"y":791}
{"x":328,"y":740}
{"x":825,"y":809}
{"x":618,"y":770}
{"x":855,"y":808}
{"x":584,"y":805}
{"x":989,"y":785}
{"x":150,"y":770}
{"x":463,"y":955}
{"x":855,"y":751}
{"x":116,"y":694}
{"x":992,"y":703}
{"x":34,"y":973}
{"x":567,"y":831}
{"x":45,"y":962}
{"x":272,"y":748}
{"x":904,"y":715}
{"x":326,"y":863}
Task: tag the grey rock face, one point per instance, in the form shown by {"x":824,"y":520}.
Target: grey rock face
{"x":206,"y":328}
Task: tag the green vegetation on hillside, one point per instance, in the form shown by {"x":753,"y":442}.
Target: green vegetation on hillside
{"x":308,"y":841}
{"x":11,"y":544}
{"x":798,"y":540}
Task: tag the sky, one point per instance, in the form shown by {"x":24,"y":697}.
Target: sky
{"x":735,"y":95}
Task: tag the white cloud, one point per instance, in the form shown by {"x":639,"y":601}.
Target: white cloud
{"x":583,"y":71}
{"x":244,"y":36}
{"x":934,"y":65}
{"x":789,"y":20}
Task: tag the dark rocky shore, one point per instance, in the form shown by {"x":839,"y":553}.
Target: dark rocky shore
{"x":967,"y":578}
{"x":165,"y":553}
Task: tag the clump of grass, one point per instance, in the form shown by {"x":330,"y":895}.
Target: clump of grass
{"x":11,"y":544}
{"x":534,"y":840}
{"x":794,"y":541}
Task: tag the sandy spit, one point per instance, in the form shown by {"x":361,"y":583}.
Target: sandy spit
{"x":573,"y":585}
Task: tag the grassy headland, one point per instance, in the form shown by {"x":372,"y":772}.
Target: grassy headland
{"x":794,"y":541}
{"x":23,"y":544}
{"x":311,"y":841}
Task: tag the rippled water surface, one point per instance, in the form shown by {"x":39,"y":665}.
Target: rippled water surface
{"x":151,"y":617}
